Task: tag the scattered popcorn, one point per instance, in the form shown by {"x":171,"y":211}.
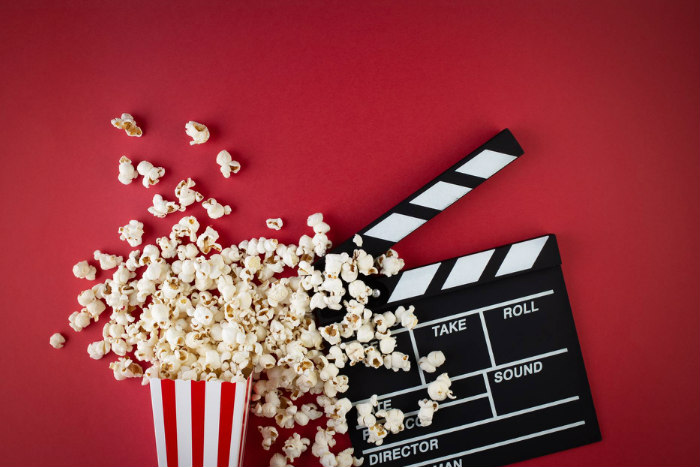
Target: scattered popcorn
{"x":107,"y":261}
{"x":162,"y":207}
{"x":357,"y":240}
{"x":83,"y":270}
{"x":57,"y":340}
{"x":128,"y":124}
{"x":430,"y":363}
{"x":186,"y":196}
{"x":131,"y":232}
{"x":390,"y":264}
{"x":127,"y":172}
{"x":216,"y":210}
{"x":227,"y":164}
{"x":269,"y":434}
{"x":198,"y":132}
{"x":439,"y":389}
{"x":187,"y":308}
{"x":294,"y":446}
{"x":425,"y":413}
{"x":274,"y":224}
{"x":151,"y":175}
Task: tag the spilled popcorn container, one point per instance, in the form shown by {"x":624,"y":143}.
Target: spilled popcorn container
{"x":200,"y":423}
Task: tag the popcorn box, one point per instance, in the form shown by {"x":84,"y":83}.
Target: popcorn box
{"x":198,"y":423}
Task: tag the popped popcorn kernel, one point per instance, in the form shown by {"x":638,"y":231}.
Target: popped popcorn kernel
{"x":433,"y":360}
{"x":128,"y":124}
{"x":274,"y":224}
{"x":197,"y":131}
{"x":127,"y":172}
{"x":57,"y":340}
{"x":215,"y":210}
{"x":83,"y":270}
{"x":151,"y":174}
{"x":162,"y":207}
{"x":131,"y":232}
{"x":226,"y":164}
{"x":185,"y":194}
{"x":439,"y":390}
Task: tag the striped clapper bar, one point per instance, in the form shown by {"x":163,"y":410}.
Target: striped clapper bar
{"x":503,"y":320}
{"x":200,"y":424}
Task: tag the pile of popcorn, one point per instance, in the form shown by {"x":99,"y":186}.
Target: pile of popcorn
{"x":189,"y":308}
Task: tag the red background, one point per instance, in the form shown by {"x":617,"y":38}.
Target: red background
{"x":346,"y":108}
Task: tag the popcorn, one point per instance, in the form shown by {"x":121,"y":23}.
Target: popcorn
{"x":393,"y":420}
{"x":430,"y":363}
{"x":131,"y":233}
{"x":278,"y":460}
{"x":127,"y":172}
{"x":197,"y":314}
{"x":128,"y":124}
{"x":294,"y":446}
{"x":124,"y":368}
{"x":425,"y":413}
{"x":269,"y":434}
{"x":57,"y":340}
{"x":439,"y":389}
{"x":198,"y":132}
{"x":186,"y":196}
{"x":357,"y":240}
{"x":83,"y":270}
{"x":227,"y":164}
{"x":274,"y":224}
{"x":390,"y":263}
{"x":107,"y":261}
{"x":216,"y":210}
{"x":162,"y":208}
{"x":406,"y":317}
{"x":151,"y":175}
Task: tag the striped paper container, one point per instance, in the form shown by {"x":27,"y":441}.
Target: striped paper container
{"x":200,"y":424}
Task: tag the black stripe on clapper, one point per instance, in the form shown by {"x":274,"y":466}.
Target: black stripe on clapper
{"x":494,"y":263}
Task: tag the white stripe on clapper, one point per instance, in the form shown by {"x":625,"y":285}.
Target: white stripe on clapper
{"x":522,"y":256}
{"x":158,"y":422}
{"x":212,"y":407}
{"x":237,"y":430}
{"x":413,"y":283}
{"x":395,"y":227}
{"x":440,"y":196}
{"x":468,"y":269}
{"x":183,"y":414}
{"x":486,"y":163}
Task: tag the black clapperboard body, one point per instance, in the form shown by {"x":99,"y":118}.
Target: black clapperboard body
{"x":503,"y":320}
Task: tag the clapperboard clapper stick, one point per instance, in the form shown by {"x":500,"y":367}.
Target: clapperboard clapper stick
{"x":503,"y":319}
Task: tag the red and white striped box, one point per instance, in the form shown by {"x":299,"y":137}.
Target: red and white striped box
{"x":200,"y":424}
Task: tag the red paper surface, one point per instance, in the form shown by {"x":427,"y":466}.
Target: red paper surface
{"x":346,"y":108}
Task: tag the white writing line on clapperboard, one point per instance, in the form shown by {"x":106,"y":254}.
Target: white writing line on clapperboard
{"x":499,"y":444}
{"x":469,"y":375}
{"x":477,"y":310}
{"x":470,"y":425}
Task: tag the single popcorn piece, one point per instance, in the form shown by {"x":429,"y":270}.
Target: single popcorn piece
{"x":125,"y":368}
{"x":83,"y":270}
{"x":390,"y":264}
{"x":427,"y":410}
{"x":439,"y":389}
{"x":357,"y":240}
{"x":197,"y":131}
{"x":216,"y":210}
{"x":186,"y":196}
{"x":279,"y":460}
{"x":294,"y":446}
{"x":132,"y":232}
{"x":227,"y":164}
{"x":57,"y":340}
{"x":151,"y":175}
{"x":128,"y":124}
{"x":430,"y":363}
{"x":393,"y":419}
{"x":274,"y":224}
{"x":269,"y":434}
{"x":107,"y":261}
{"x":127,"y":172}
{"x":162,"y":207}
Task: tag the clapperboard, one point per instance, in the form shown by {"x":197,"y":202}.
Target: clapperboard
{"x":503,"y":320}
